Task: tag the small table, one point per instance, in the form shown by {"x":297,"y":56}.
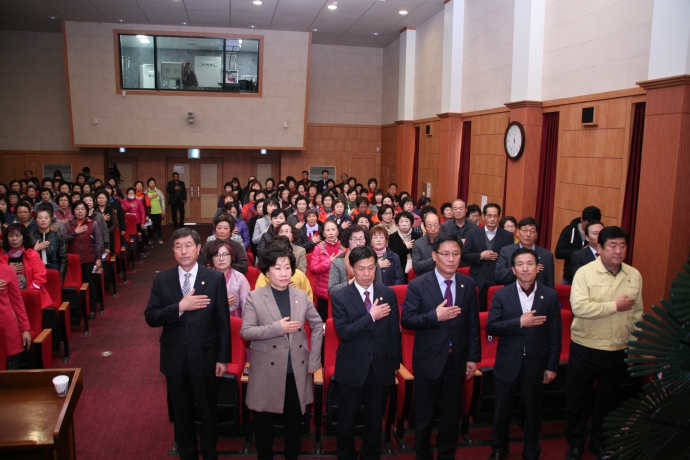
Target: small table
{"x":34,"y":421}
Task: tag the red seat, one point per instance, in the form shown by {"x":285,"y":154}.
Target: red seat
{"x":41,"y":350}
{"x":411,"y":275}
{"x":133,"y":237}
{"x":311,"y":277}
{"x":483,"y":384}
{"x":464,"y":270}
{"x":490,"y":295}
{"x":564,"y":296}
{"x":62,"y":308}
{"x":73,"y":285}
{"x":239,"y":351}
{"x":566,"y":322}
{"x":252,"y":275}
{"x":330,"y":345}
{"x":3,"y":349}
{"x":120,"y":258}
{"x":250,"y":257}
{"x":330,"y":306}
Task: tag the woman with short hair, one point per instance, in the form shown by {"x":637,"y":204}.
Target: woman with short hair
{"x":222,"y":256}
{"x":388,"y":261}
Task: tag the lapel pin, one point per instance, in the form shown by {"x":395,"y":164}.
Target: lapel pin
{"x":296,"y":301}
{"x":203,"y":282}
{"x":380,"y":298}
{"x":462,"y":286}
{"x":541,"y":297}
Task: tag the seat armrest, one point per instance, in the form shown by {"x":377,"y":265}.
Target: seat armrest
{"x":478,"y":373}
{"x":64,"y":306}
{"x":245,"y":378}
{"x":318,"y":377}
{"x":84,"y":287}
{"x":45,"y":334}
{"x":404,"y":373}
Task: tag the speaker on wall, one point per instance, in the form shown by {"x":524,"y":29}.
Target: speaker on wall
{"x":428,"y":130}
{"x":589,"y":115}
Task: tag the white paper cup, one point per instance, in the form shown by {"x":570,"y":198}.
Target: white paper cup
{"x":61,"y":383}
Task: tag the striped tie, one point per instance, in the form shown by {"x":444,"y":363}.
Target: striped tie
{"x":186,"y":287}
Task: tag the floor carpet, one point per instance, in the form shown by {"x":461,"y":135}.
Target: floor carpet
{"x":122,"y":413}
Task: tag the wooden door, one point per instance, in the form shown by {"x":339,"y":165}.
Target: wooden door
{"x":204,"y":183}
{"x":263,"y":168}
{"x":128,"y":171}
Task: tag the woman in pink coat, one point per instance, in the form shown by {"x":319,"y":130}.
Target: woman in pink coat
{"x":13,"y":317}
{"x":132,"y":205}
{"x":320,"y":265}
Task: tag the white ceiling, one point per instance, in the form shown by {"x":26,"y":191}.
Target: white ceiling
{"x":353,"y":23}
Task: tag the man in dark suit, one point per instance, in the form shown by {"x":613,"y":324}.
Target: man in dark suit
{"x":528,"y":230}
{"x":366,"y":317}
{"x":177,"y":197}
{"x":526,"y":317}
{"x":441,"y":306}
{"x":588,"y":253}
{"x":321,"y":184}
{"x":481,"y":250}
{"x":422,"y":261}
{"x":190,"y":302}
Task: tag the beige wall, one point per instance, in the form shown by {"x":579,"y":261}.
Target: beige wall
{"x":488,"y":54}
{"x":33,"y":94}
{"x":593,"y":47}
{"x":428,"y":64}
{"x":161,"y":120}
{"x":391,"y":74}
{"x":345,"y":85}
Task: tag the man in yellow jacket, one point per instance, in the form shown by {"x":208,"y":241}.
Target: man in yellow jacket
{"x":606,"y":298}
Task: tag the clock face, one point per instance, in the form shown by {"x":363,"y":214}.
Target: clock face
{"x":514,"y":140}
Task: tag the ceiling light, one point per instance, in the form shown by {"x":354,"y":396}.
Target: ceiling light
{"x":123,"y":150}
{"x":402,"y":12}
{"x":143,"y":39}
{"x":252,"y":27}
{"x":52,"y":17}
{"x":193,"y":153}
{"x":333,"y":6}
{"x":120,"y":20}
{"x":184,"y":23}
{"x":263,"y":151}
{"x":257,"y":2}
{"x":315,"y":30}
{"x":376,"y":33}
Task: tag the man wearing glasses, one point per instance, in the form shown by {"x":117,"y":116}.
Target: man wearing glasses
{"x":441,"y":307}
{"x":528,"y":230}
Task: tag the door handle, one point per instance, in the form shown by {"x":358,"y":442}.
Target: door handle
{"x":191,"y":191}
{"x":198,"y":191}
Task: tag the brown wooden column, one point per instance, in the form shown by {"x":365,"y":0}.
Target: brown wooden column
{"x":522,"y":175}
{"x":405,"y":155}
{"x":448,"y":158}
{"x":662,"y":233}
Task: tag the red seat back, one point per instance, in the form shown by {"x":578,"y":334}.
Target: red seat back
{"x":117,"y":243}
{"x":411,"y":275}
{"x":252,"y":275}
{"x":34,"y":312}
{"x":238,"y":348}
{"x":130,"y":224}
{"x":564,"y":296}
{"x":490,"y":295}
{"x":54,"y":287}
{"x":73,"y":276}
{"x":488,"y":344}
{"x":400,"y":293}
{"x":464,"y":270}
{"x":3,"y":350}
{"x":566,"y":322}
{"x":250,"y":258}
{"x":330,"y":345}
{"x":330,"y":306}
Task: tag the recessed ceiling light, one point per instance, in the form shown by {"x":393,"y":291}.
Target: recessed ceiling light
{"x":257,"y":2}
{"x":252,"y":27}
{"x":402,"y":12}
{"x":120,"y":20}
{"x":376,"y":33}
{"x":333,"y":6}
{"x":52,"y":17}
{"x":184,"y":23}
{"x":315,"y":30}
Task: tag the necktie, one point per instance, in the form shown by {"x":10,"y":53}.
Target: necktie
{"x":186,"y":286}
{"x":367,"y":301}
{"x":448,"y":295}
{"x":596,"y":254}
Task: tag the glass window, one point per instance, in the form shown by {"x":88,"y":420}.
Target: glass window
{"x":136,"y":62}
{"x":189,"y":63}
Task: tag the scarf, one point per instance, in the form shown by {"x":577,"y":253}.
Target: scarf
{"x":380,"y":253}
{"x":15,"y":254}
{"x":311,"y":231}
{"x":405,"y":236}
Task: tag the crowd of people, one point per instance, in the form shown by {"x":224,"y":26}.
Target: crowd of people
{"x":359,"y":241}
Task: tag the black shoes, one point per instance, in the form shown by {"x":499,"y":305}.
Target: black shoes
{"x":496,"y":456}
{"x":574,"y":453}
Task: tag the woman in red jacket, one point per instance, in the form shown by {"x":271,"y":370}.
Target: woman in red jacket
{"x":17,"y":252}
{"x":133,"y":205}
{"x":84,"y":239}
{"x":13,"y":317}
{"x":320,"y":265}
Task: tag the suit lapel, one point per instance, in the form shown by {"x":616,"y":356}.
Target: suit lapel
{"x":538,"y":298}
{"x":356,"y":299}
{"x":271,"y":304}
{"x":434,"y":290}
{"x":200,"y":282}
{"x":295,"y":308}
{"x":515,"y":299}
{"x":175,"y":284}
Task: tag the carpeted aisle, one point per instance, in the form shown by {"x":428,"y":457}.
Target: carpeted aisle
{"x":122,"y":413}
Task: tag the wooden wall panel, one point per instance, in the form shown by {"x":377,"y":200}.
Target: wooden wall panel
{"x":429,"y":148}
{"x":487,"y":157}
{"x":592,"y":162}
{"x":350,"y":148}
{"x":15,"y":162}
{"x":388,"y":156}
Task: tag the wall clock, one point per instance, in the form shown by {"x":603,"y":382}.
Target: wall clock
{"x":514,"y":141}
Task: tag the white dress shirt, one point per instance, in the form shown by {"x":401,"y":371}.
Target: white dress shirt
{"x":442,"y":285}
{"x":526,"y":301}
{"x":192,"y":279}
{"x":489,"y":234}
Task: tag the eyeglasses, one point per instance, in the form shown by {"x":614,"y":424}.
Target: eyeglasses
{"x":529,"y":231}
{"x":490,"y":216}
{"x":447,"y":255}
{"x":358,"y":240}
{"x":222,"y":255}
{"x":388,"y":213}
{"x":378,"y":237}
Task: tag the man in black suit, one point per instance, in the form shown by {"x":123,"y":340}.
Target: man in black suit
{"x":528,"y":230}
{"x":526,"y":317}
{"x":481,"y":250}
{"x":190,"y":302}
{"x":422,"y":261}
{"x":441,"y":306}
{"x":366,"y":317}
{"x":588,"y":253}
{"x":177,"y":197}
{"x":320,"y":185}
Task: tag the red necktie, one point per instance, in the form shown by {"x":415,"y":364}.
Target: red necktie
{"x":367,"y":301}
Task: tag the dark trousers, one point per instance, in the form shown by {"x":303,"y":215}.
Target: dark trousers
{"x":87,"y":276}
{"x":448,"y":387}
{"x":587,"y":366}
{"x":156,"y":220}
{"x":322,"y":308}
{"x":483,"y":297}
{"x":373,"y":396}
{"x":532,"y":395}
{"x":186,"y":389}
{"x":13,"y":362}
{"x":292,"y":425}
{"x":174,"y":209}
